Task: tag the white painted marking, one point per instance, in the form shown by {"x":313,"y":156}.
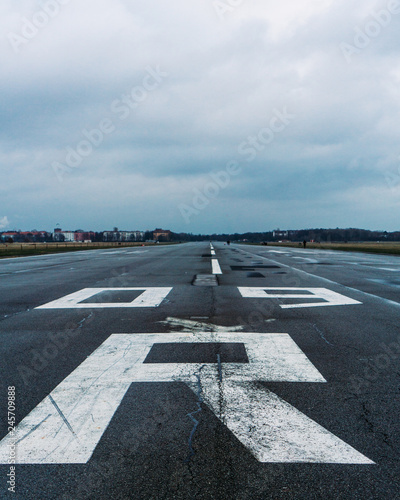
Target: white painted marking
{"x":326,"y":280}
{"x":205,"y":280}
{"x":212,"y":252}
{"x":112,"y":252}
{"x":307,"y":259}
{"x":273,"y":430}
{"x":151,"y":297}
{"x":68,"y":424}
{"x":331,"y":298}
{"x":31,"y":270}
{"x":197,"y":326}
{"x":387,"y":269}
{"x":211,"y":246}
{"x":215,"y":266}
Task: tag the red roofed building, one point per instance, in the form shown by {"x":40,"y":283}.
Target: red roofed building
{"x":9,"y":235}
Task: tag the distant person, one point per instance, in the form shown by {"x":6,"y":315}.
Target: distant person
{"x":228,"y":242}
{"x":304,"y":244}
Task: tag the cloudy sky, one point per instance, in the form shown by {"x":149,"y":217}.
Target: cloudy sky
{"x":201,"y":115}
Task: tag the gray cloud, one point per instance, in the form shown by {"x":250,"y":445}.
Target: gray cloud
{"x":226,"y":77}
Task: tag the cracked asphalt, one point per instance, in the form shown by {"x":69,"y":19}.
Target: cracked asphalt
{"x":164,"y":441}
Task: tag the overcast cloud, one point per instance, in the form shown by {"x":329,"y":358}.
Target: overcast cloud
{"x":201,"y":115}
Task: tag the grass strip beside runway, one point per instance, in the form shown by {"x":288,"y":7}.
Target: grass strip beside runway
{"x":28,"y":249}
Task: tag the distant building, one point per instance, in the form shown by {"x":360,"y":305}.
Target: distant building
{"x":124,"y":236}
{"x":60,"y":236}
{"x":26,"y":236}
{"x":78,"y":236}
{"x":161,"y":235}
{"x":280,"y":234}
{"x":84,"y":236}
{"x":10,"y":236}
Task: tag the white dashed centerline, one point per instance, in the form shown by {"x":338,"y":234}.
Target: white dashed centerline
{"x":216,"y":269}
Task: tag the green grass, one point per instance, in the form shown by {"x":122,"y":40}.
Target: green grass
{"x":29,"y":249}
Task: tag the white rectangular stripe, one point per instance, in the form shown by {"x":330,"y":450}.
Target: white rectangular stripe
{"x":215,"y":267}
{"x":151,"y":297}
{"x":331,"y":298}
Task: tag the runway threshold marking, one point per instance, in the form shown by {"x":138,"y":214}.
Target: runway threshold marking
{"x":151,"y":297}
{"x":331,"y":298}
{"x":69,"y":423}
{"x":331,"y":282}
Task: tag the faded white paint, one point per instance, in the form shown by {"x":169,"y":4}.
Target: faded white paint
{"x":151,"y":297}
{"x":113,"y":252}
{"x":272,"y":429}
{"x":331,"y":298}
{"x":215,"y":266}
{"x":213,"y":252}
{"x":198,"y":326}
{"x":68,"y":424}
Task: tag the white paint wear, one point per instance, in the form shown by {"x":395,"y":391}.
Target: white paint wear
{"x":68,"y":424}
{"x":198,"y":326}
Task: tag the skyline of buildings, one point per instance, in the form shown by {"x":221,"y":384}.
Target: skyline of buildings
{"x":81,"y":236}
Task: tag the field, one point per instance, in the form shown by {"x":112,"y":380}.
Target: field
{"x":23,"y":249}
{"x":369,"y":247}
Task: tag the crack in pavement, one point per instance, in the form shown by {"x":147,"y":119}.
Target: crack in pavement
{"x":61,"y":414}
{"x":322,"y":335}
{"x":191,"y":415}
{"x":7,"y":316}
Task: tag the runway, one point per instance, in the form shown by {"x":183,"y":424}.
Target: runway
{"x":201,"y":370}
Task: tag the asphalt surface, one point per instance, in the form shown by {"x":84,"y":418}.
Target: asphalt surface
{"x":152,"y":447}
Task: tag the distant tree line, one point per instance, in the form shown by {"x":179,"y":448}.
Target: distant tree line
{"x":317,"y":235}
